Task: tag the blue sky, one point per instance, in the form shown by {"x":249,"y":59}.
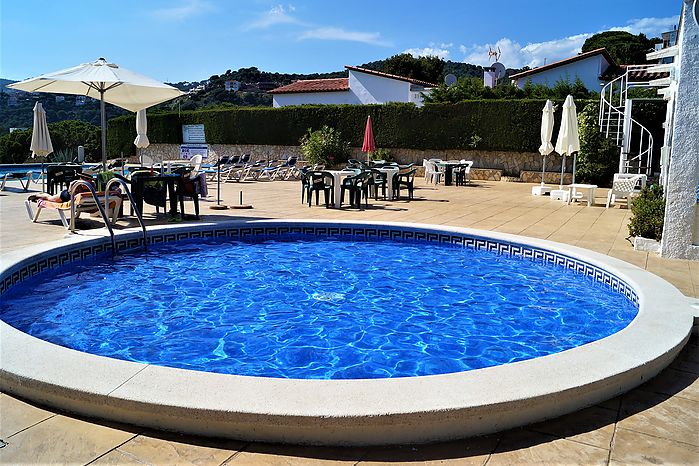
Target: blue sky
{"x":189,"y":40}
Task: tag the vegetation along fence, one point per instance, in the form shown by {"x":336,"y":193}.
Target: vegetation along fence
{"x":500,"y":125}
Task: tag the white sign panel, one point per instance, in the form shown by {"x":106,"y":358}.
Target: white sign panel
{"x":187,"y":151}
{"x":193,"y":134}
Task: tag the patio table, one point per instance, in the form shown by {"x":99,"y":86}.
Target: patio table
{"x":390,"y":173}
{"x":588,"y":193}
{"x":448,"y":168}
{"x":338,"y":176}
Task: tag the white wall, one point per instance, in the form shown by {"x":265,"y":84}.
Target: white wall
{"x":683,"y":176}
{"x":588,"y":70}
{"x":371,"y":89}
{"x":301,"y":98}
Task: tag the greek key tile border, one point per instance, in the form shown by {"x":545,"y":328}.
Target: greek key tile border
{"x":37,"y":264}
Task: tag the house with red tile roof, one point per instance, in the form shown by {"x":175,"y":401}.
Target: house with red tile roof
{"x":591,"y":67}
{"x":362,"y":86}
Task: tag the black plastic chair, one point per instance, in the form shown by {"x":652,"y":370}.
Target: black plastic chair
{"x":406,"y":180}
{"x":58,"y":176}
{"x":378,"y":180}
{"x":188,"y":188}
{"x":357,"y":186}
{"x":321,"y":181}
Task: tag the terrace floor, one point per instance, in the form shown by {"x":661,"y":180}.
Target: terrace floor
{"x":655,"y":423}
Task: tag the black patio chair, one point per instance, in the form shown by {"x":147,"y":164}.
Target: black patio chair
{"x":321,"y":181}
{"x":406,"y":180}
{"x":357,"y":186}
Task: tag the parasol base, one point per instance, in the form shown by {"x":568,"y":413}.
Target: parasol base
{"x":241,"y":206}
{"x":218,"y":207}
{"x":541,"y":190}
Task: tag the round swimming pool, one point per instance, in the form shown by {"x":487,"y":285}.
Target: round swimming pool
{"x":441,"y":332}
{"x":309,"y":307}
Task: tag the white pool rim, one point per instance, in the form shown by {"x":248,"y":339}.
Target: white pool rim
{"x":348,"y":412}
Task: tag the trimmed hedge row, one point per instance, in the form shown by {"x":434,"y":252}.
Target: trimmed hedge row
{"x":505,"y":125}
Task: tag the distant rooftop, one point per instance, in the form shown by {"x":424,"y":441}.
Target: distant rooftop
{"x":314,"y":85}
{"x":340,"y":84}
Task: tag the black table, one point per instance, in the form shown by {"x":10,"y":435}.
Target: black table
{"x":137,"y":184}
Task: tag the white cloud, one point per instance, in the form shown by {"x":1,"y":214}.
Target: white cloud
{"x":432,"y":50}
{"x":651,"y":27}
{"x":333,"y":33}
{"x":185,"y":10}
{"x":279,"y":14}
{"x":514,"y":55}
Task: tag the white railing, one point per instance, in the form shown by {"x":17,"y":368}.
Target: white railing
{"x":619,"y":127}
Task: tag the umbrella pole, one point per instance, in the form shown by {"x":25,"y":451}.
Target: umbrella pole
{"x":543,"y":171}
{"x":575,"y":156}
{"x":218,"y":184}
{"x":103,"y":118}
{"x":563,"y":169}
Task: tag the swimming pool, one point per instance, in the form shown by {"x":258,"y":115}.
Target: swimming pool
{"x":300,"y":306}
{"x":348,"y":411}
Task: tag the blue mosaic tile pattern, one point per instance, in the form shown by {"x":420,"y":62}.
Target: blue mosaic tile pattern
{"x":26,"y":269}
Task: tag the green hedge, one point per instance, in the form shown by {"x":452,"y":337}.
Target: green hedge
{"x":507,"y":125}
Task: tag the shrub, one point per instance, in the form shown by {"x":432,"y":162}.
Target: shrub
{"x":65,"y":135}
{"x":382,"y":154}
{"x":598,"y":158}
{"x":324,"y":146}
{"x":648,"y":211}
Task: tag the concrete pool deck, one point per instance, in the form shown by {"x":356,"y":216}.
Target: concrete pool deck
{"x":506,"y":207}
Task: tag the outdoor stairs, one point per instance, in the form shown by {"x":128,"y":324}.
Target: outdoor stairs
{"x":634,"y":140}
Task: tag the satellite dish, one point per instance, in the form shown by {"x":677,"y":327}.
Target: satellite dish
{"x":696,"y":12}
{"x":499,"y":69}
{"x":450,"y":80}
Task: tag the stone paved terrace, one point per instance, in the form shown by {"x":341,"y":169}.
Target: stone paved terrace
{"x":656,"y":423}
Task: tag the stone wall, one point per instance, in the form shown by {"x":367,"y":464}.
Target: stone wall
{"x":507,"y":163}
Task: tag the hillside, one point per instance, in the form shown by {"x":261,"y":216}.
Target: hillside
{"x":253,"y":86}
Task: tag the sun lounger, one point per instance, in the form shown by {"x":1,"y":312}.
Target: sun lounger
{"x":83,"y":202}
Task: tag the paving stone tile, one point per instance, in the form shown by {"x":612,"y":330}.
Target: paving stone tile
{"x":62,"y":440}
{"x":672,"y":418}
{"x":592,"y":426}
{"x":289,"y":455}
{"x":473,"y":451}
{"x":636,"y":448}
{"x":17,"y":415}
{"x":674,"y":382}
{"x":163,"y":448}
{"x":527,"y":447}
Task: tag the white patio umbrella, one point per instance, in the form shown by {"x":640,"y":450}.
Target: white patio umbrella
{"x":104,"y":81}
{"x":568,"y":142}
{"x":41,"y":139}
{"x":546,"y":133}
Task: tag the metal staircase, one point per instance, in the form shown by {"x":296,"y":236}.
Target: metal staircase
{"x":634,"y":139}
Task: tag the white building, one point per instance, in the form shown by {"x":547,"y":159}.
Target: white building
{"x":591,"y":67}
{"x":362,"y":86}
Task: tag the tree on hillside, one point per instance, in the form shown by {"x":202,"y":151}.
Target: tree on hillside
{"x":624,"y":47}
{"x":428,"y":69}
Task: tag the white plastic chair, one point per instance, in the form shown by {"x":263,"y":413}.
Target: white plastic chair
{"x":433,"y":172}
{"x":624,"y":187}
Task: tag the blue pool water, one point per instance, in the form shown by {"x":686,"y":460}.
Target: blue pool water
{"x":316,"y":309}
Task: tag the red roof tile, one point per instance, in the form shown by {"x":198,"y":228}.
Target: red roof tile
{"x":566,"y":61}
{"x":314,"y":85}
{"x":392,"y":76}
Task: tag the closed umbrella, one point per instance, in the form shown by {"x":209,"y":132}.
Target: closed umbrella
{"x":141,"y":140}
{"x":41,"y":139}
{"x":105,"y":81}
{"x":546,"y":133}
{"x":369,"y":145}
{"x":568,"y":142}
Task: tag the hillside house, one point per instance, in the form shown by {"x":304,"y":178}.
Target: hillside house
{"x":362,"y":86}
